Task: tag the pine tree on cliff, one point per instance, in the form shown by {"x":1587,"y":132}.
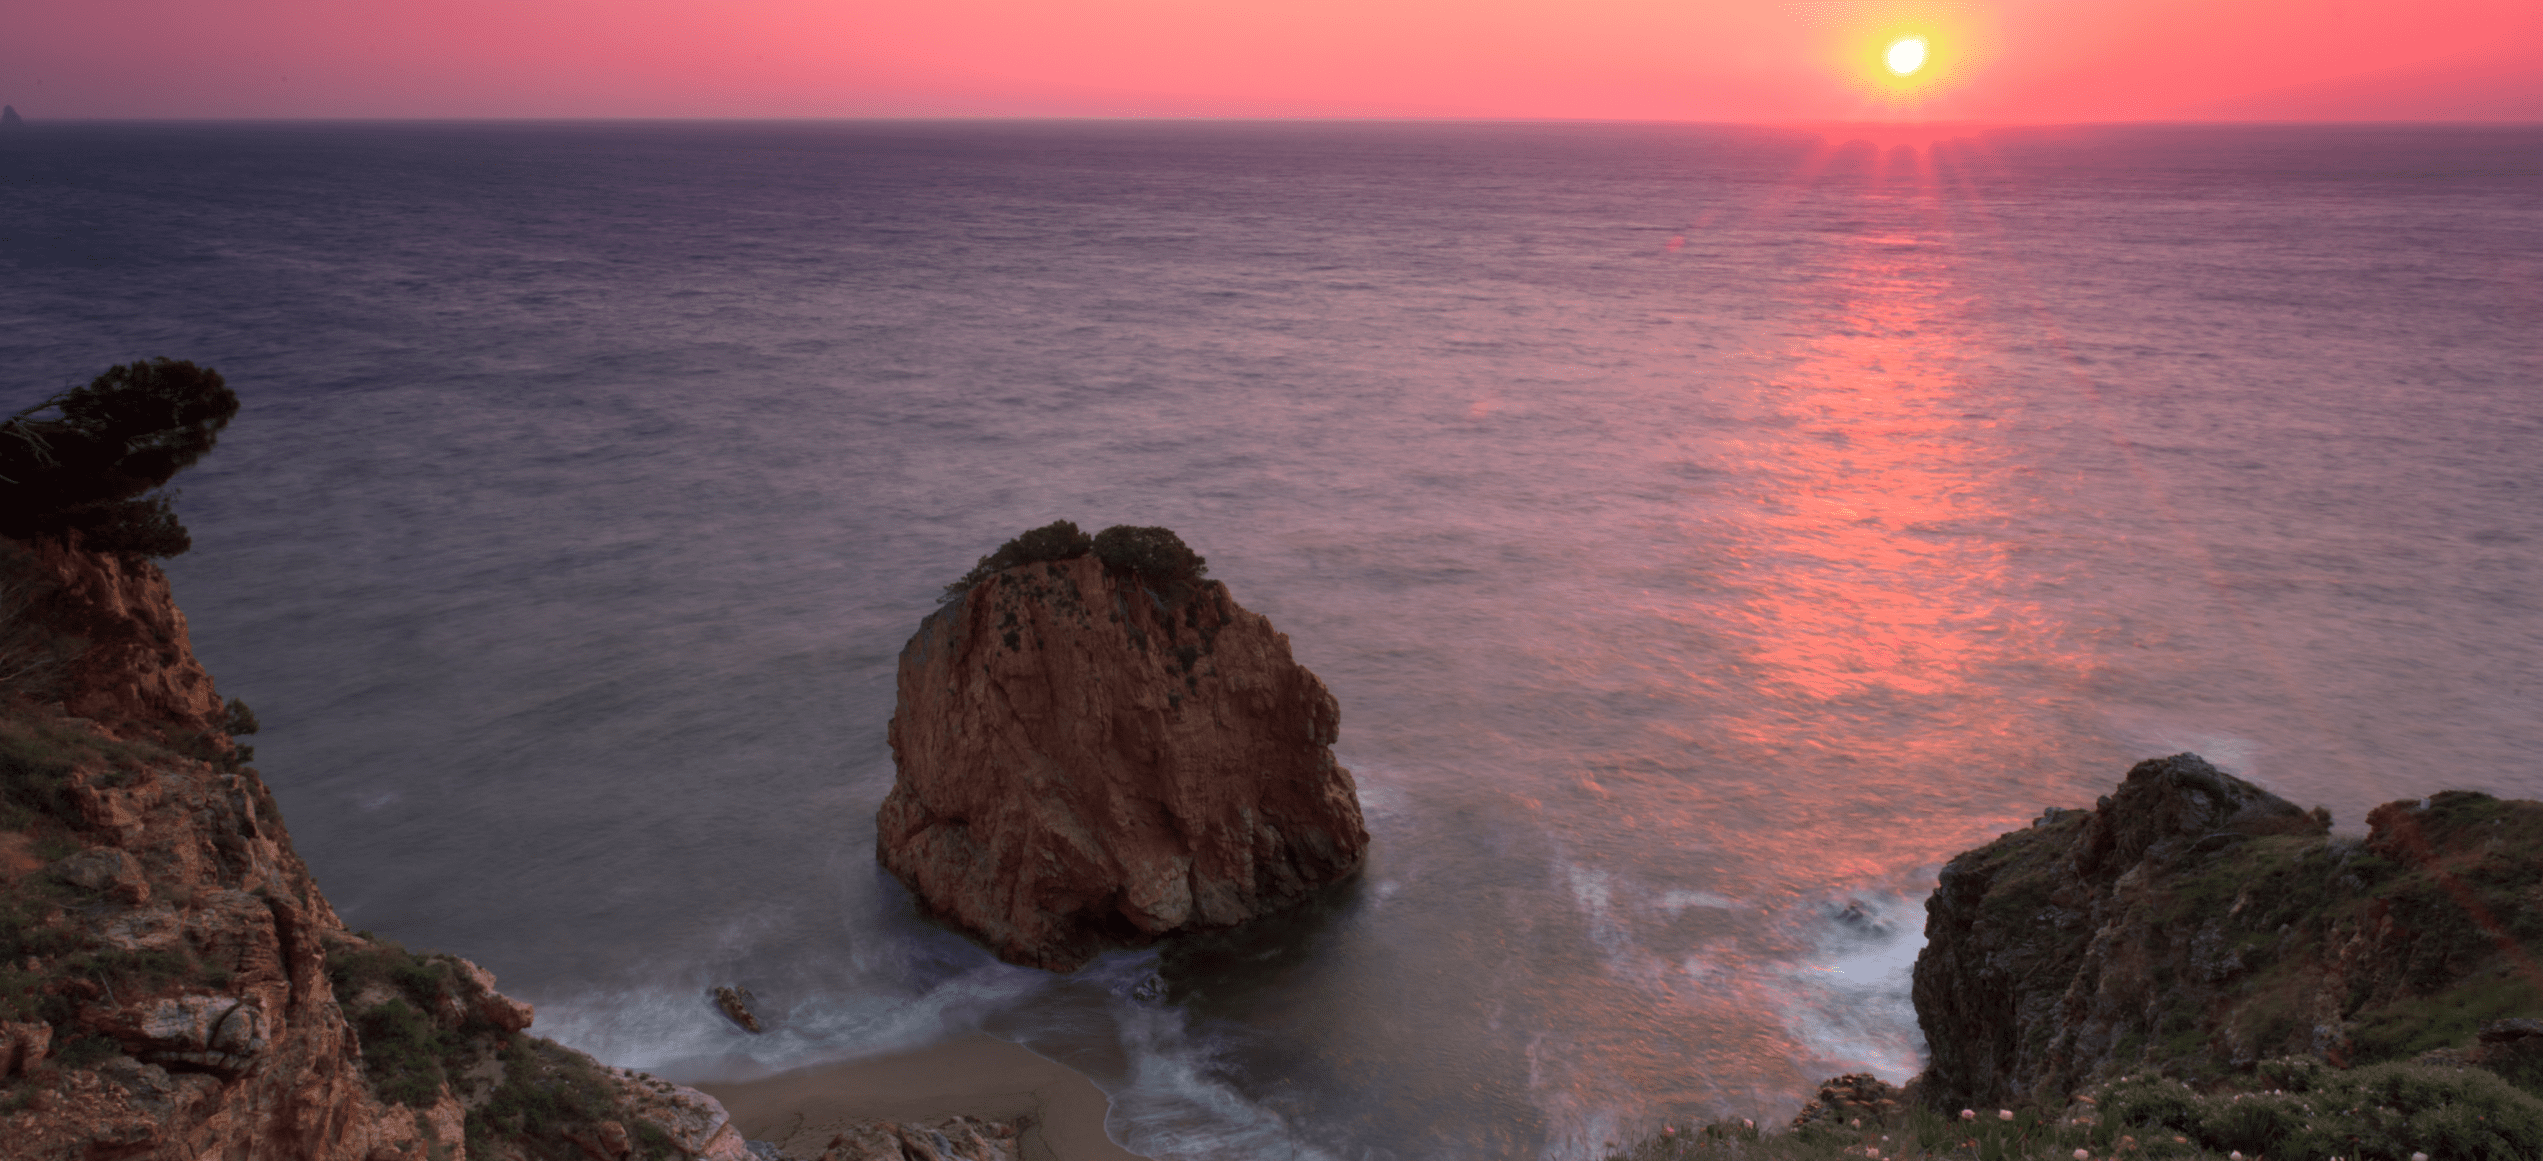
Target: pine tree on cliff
{"x":95,"y":466}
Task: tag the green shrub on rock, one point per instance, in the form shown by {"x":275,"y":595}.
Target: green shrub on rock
{"x":402,"y":1053}
{"x":1153,"y":556}
{"x":1057,"y":540}
{"x":2317,"y":1113}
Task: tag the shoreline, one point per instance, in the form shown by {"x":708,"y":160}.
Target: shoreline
{"x":976,"y":1076}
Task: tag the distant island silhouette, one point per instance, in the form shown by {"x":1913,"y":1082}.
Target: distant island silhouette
{"x":9,"y":115}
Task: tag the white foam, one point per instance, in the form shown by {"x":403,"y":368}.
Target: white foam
{"x":1851,"y":1001}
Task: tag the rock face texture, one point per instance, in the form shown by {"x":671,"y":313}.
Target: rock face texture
{"x":1088,"y":760}
{"x":115,"y":644}
{"x":2196,"y":924}
{"x":172,"y":983}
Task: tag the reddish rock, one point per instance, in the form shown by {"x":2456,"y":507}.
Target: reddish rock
{"x":131,"y":664}
{"x":244,"y":1050}
{"x":1087,"y":761}
{"x":23,"y":1046}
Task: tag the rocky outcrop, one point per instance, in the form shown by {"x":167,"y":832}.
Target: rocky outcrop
{"x":1852,"y":1100}
{"x":172,"y":983}
{"x":943,"y":1138}
{"x":100,"y":636}
{"x":2195,"y":924}
{"x":1089,"y":756}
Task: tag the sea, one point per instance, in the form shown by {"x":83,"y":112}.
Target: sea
{"x":1707,"y":530}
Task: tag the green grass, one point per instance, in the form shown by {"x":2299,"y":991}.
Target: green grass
{"x":2448,"y":1019}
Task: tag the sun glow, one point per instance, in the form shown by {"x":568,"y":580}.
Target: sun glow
{"x":1909,"y":63}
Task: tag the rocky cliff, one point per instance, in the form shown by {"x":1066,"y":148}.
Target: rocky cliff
{"x":173,"y":984}
{"x":1089,"y":756}
{"x":2194,"y":924}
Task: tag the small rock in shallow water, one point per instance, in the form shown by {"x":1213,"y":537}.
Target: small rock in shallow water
{"x":735,"y":1004}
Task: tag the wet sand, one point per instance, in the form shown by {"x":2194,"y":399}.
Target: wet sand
{"x":977,"y":1076}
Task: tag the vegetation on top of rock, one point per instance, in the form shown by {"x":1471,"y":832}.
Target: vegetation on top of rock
{"x":93,"y":466}
{"x":549,"y":1097}
{"x":1153,"y":555}
{"x":1057,"y":540}
{"x":405,"y":1053}
{"x":2297,"y":1109}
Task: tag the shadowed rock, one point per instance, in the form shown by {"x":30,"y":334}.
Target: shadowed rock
{"x":2197,"y":925}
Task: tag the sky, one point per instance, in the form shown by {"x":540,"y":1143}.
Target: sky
{"x":1664,"y":60}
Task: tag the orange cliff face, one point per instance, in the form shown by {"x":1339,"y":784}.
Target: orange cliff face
{"x":172,"y":982}
{"x":1083,"y":763}
{"x":137,"y":670}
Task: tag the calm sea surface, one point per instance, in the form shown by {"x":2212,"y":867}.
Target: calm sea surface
{"x":1708,"y":532}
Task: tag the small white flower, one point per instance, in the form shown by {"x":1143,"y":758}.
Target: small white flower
{"x":1968,"y":1114}
{"x":2236,"y":1155}
{"x":1747,"y":1122}
{"x":2081,"y":1154}
{"x":2004,"y":1114}
{"x":2419,"y":1157}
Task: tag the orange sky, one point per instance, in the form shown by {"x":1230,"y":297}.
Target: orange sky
{"x":1704,"y":60}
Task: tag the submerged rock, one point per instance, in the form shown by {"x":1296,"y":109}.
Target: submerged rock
{"x":2195,"y":924}
{"x":1096,"y":754}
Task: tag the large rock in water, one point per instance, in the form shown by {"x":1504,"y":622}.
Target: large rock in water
{"x":2195,"y":924}
{"x":1088,"y":759}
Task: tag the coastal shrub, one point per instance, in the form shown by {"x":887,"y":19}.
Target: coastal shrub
{"x":401,"y":1053}
{"x":32,"y":652}
{"x":1057,"y":540}
{"x":136,"y":971}
{"x":236,"y":720}
{"x":21,"y":991}
{"x":353,"y":967}
{"x":2448,"y":1019}
{"x":84,"y":1052}
{"x":33,"y":785}
{"x":1156,"y":556}
{"x":547,"y":1093}
{"x":2313,"y":1113}
{"x":88,"y":466}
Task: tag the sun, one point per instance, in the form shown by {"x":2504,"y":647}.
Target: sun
{"x":1906,"y":55}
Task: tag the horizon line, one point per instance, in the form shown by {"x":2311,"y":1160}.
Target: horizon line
{"x":1005,"y":118}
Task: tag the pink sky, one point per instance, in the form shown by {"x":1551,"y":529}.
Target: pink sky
{"x":1701,"y":60}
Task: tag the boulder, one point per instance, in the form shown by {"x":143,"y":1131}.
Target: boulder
{"x":1090,"y":755}
{"x":23,"y":1046}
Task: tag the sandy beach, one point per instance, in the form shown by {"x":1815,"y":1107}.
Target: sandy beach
{"x":977,"y":1076}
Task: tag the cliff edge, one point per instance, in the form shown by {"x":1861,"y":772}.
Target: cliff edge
{"x":1092,"y":755}
{"x":2196,"y":925}
{"x":174,"y":986}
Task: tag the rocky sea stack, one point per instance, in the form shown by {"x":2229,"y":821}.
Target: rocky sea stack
{"x":1097,"y":747}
